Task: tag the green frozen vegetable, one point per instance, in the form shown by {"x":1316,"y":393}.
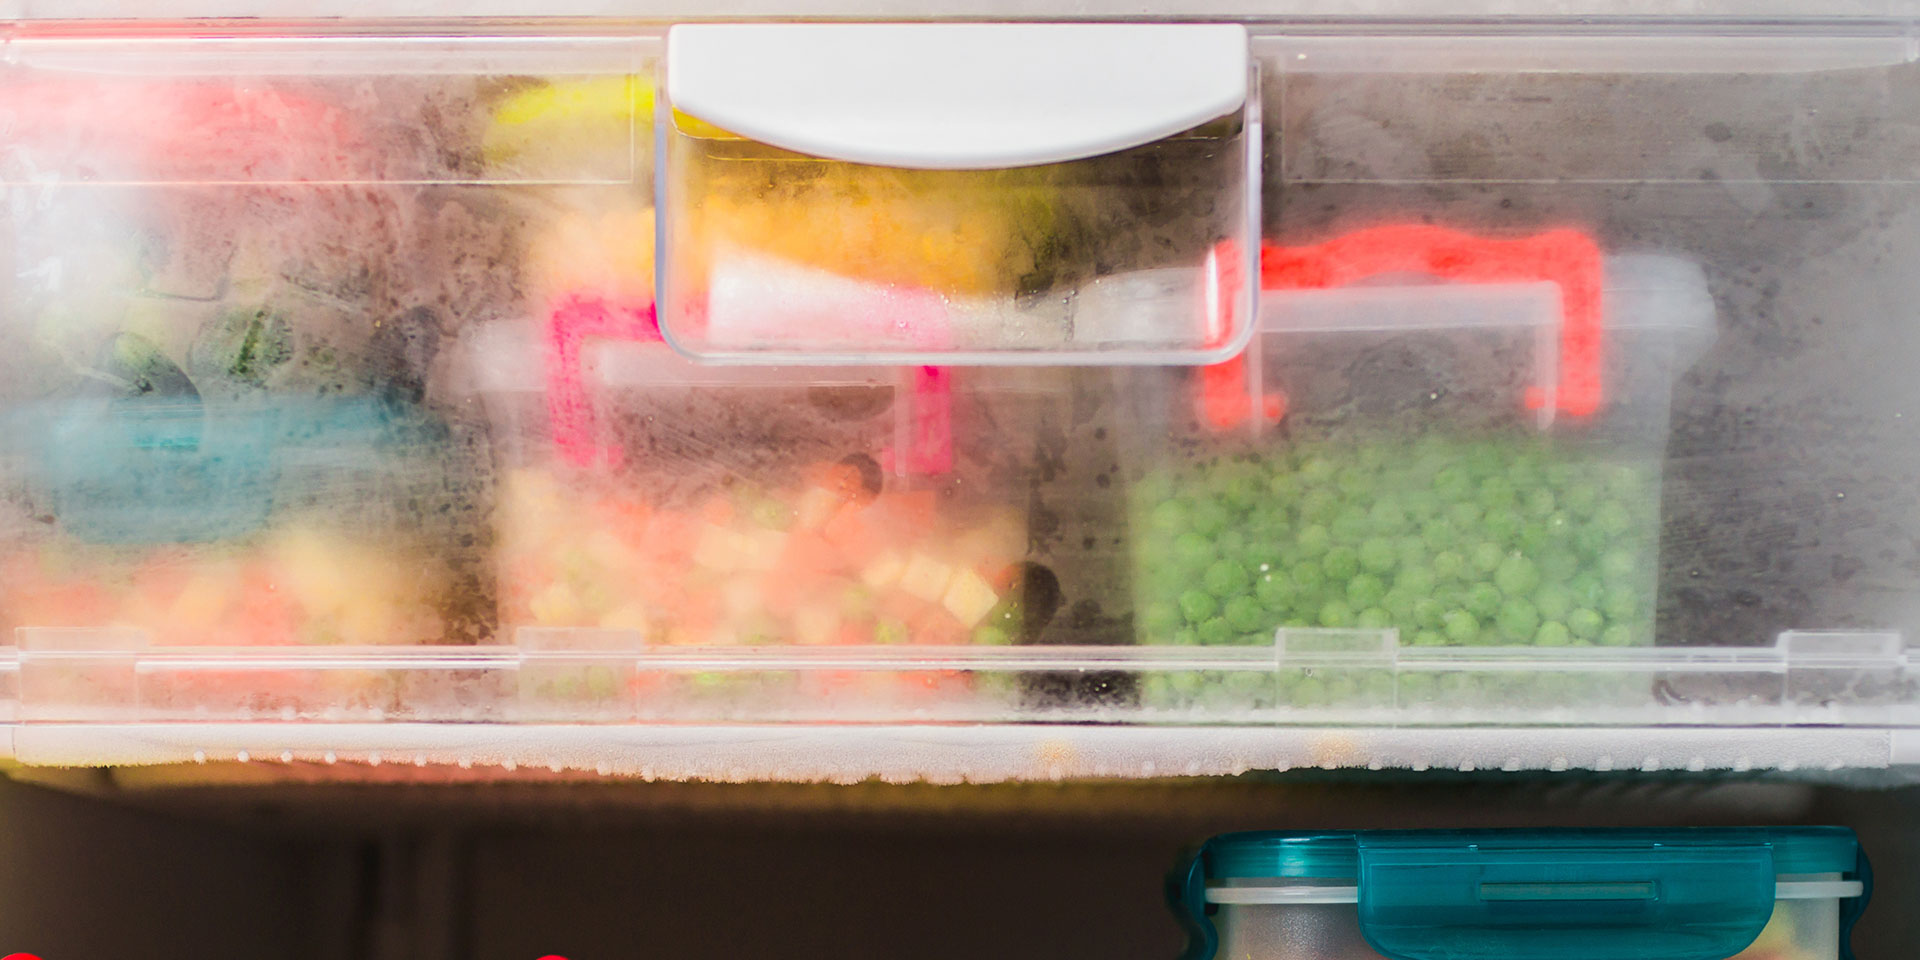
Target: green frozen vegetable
{"x":1514,"y":538}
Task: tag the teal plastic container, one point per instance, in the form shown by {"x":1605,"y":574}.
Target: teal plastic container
{"x":1790,"y":893}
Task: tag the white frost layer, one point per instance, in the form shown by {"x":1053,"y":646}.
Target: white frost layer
{"x":978,"y":754}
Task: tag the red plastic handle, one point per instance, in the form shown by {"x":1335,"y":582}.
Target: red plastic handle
{"x":1567,"y":258}
{"x":574,"y":322}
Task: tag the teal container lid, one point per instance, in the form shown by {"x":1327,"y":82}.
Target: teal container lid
{"x":1671,"y":894}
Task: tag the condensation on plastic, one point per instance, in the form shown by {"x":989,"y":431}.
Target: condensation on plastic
{"x":355,"y":213}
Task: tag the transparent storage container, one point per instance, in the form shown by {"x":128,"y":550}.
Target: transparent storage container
{"x":958,"y":193}
{"x":1437,"y":439}
{"x":1790,"y":893}
{"x":237,"y":266}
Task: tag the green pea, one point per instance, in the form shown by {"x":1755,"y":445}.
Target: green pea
{"x":1587,"y":589}
{"x":1430,"y":613}
{"x":1400,"y":603}
{"x":1350,"y":525}
{"x":1275,"y":591}
{"x":1538,"y":502}
{"x":1427,"y":638}
{"x":1356,"y":482}
{"x":1318,"y":505}
{"x":1336,"y":614}
{"x":1198,"y":606}
{"x":1186,"y":637}
{"x":1553,"y":600}
{"x":1260,"y":559}
{"x":1245,"y":613}
{"x":1313,"y":540}
{"x":1341,"y":563}
{"x":1283,"y":487}
{"x":1449,"y":565}
{"x":1411,"y":551}
{"x":1420,"y":504}
{"x":1620,"y":604}
{"x":1308,"y":575}
{"x":1618,"y":635}
{"x":1518,"y":620}
{"x":988,"y":635}
{"x":1590,"y":540}
{"x":1317,"y":470}
{"x":1242,"y":490}
{"x":1192,"y":548}
{"x":1561,"y":527}
{"x":1365,"y":590}
{"x":1453,"y":484}
{"x":1502,"y":526}
{"x":1553,"y":633}
{"x":1215,"y":631}
{"x":1229,"y":543}
{"x":1558,"y":565}
{"x":1496,"y":493}
{"x":1169,"y":518}
{"x":1532,"y":536}
{"x":1438,"y":533}
{"x":1612,"y":519}
{"x":1528,"y":466}
{"x":1580,"y":498}
{"x":1379,"y":555}
{"x":1487,"y":557}
{"x":1585,"y":623}
{"x":1461,"y":627}
{"x":1619,"y":565}
{"x":1483,"y":600}
{"x":1208,"y":517}
{"x":1418,"y":581}
{"x":1374,"y":618}
{"x":1387,"y":516}
{"x":1465,"y":516}
{"x":1516,"y":576}
{"x":1225,"y":578}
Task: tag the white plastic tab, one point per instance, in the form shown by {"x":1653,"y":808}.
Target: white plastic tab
{"x":956,"y":96}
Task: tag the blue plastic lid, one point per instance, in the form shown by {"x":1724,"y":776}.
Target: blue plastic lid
{"x":1677,"y":894}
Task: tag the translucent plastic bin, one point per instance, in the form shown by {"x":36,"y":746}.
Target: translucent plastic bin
{"x":1473,"y":459}
{"x":234,"y":262}
{"x":647,"y":502}
{"x":419,"y":411}
{"x":1791,"y":893}
{"x":958,"y":193}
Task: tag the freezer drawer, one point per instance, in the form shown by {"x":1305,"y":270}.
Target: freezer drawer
{"x":1412,"y":376}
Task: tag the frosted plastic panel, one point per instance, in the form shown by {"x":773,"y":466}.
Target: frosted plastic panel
{"x":333,"y":387}
{"x":1135,"y":255}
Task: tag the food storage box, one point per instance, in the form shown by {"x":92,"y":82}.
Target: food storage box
{"x":237,"y":266}
{"x":1437,"y":439}
{"x":961,"y":193}
{"x":1789,"y":893}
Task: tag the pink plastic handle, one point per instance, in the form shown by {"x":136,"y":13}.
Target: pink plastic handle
{"x":569,"y":406}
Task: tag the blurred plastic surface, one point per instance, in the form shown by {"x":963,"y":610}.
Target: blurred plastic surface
{"x":333,"y":388}
{"x":778,"y":256}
